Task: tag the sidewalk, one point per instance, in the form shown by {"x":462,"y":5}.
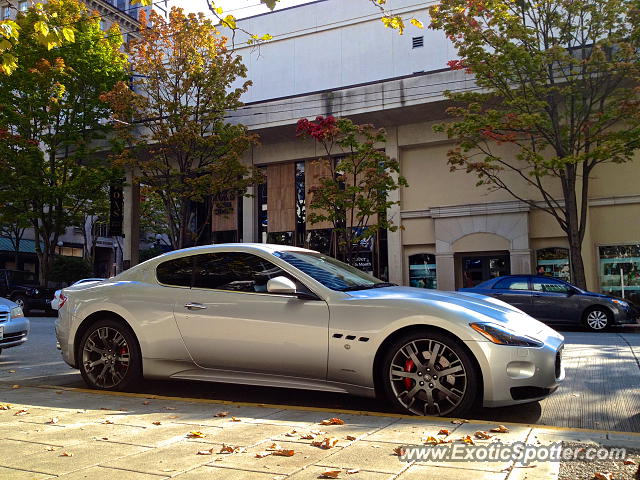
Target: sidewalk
{"x":74,"y":434}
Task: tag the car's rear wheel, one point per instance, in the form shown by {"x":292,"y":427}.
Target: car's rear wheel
{"x":428,"y":373}
{"x":109,"y":356}
{"x":597,"y":319}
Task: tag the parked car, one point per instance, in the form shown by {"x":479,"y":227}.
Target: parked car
{"x":14,"y":327}
{"x":55,"y":301}
{"x":23,"y":288}
{"x":557,"y":302}
{"x":288,"y":317}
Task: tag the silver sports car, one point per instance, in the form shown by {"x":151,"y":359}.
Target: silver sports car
{"x":288,"y":317}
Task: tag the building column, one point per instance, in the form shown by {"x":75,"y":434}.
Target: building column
{"x":445,"y":271}
{"x":394,"y":239}
{"x":521,"y":261}
{"x":131,"y":223}
{"x":249,"y":218}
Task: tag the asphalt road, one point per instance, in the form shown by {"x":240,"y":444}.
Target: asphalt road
{"x":601,"y":390}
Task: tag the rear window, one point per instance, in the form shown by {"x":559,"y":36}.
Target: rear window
{"x":177,"y":273}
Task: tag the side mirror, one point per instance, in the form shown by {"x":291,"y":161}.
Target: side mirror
{"x":281,"y":285}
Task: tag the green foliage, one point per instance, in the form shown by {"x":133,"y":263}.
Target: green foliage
{"x":557,"y":84}
{"x":52,"y":118}
{"x":70,"y":269}
{"x":353,"y":194}
{"x":184,"y":151}
{"x":150,"y":253}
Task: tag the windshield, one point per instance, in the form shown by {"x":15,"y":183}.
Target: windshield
{"x":330,"y":272}
{"x":23,"y":277}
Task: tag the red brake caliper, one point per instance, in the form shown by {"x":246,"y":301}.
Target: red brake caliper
{"x":123,"y":351}
{"x":408,"y":366}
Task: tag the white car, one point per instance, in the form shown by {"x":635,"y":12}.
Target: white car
{"x":288,"y":317}
{"x":55,"y":302}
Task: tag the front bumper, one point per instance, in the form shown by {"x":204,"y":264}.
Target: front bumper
{"x":15,"y":332}
{"x":513,"y":375}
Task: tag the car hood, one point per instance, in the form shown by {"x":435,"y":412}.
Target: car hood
{"x":6,"y":305}
{"x":471,"y":306}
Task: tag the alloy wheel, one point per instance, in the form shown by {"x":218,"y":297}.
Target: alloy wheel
{"x":597,"y":319}
{"x":428,"y":377}
{"x":106,"y":357}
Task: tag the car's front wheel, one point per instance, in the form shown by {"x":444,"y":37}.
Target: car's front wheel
{"x":597,"y":319}
{"x":109,"y":356}
{"x":428,"y":373}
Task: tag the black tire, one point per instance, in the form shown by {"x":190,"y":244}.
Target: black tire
{"x":109,"y":357}
{"x":21,"y":300}
{"x":597,"y":319}
{"x":453,"y":396}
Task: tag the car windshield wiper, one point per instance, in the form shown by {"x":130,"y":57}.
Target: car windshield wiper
{"x":367,"y":287}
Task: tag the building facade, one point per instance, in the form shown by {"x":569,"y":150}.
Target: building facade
{"x":332,"y":57}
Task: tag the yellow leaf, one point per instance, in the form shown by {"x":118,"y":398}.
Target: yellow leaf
{"x":195,"y":435}
{"x":332,"y":421}
{"x":417,"y":23}
{"x":41,"y":28}
{"x":230,"y":21}
{"x":144,"y":3}
{"x":68,"y":34}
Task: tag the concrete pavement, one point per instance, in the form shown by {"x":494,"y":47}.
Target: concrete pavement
{"x":73,"y":434}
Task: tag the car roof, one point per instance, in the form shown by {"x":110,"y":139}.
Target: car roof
{"x":241,"y":247}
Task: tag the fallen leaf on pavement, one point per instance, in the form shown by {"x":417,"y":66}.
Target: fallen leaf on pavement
{"x":66,"y":454}
{"x":284,"y":453}
{"x":107,"y":422}
{"x":307,"y":437}
{"x":156,"y":423}
{"x":482,"y":435}
{"x":500,"y":429}
{"x":444,"y":431}
{"x":6,"y":406}
{"x":332,"y":421}
{"x":292,"y":433}
{"x":227,"y":449}
{"x":326,"y":443}
{"x":49,"y":449}
{"x":603,"y":476}
{"x":467,"y":440}
{"x":195,"y":435}
{"x":263,"y":454}
{"x":330,"y":474}
{"x":222,"y":414}
{"x":205,"y":452}
{"x":21,"y":412}
{"x":436,"y":441}
{"x":629,"y":462}
{"x":351,"y":438}
{"x":15,"y":386}
{"x":234,"y":419}
{"x":399,"y":451}
{"x":274,"y":446}
{"x":459,"y":422}
{"x":353,"y":471}
{"x":53,"y":420}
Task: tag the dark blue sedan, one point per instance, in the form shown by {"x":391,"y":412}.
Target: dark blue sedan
{"x":556,"y":302}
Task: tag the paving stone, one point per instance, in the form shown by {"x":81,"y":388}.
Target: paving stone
{"x":205,"y":414}
{"x":12,"y":449}
{"x":374,"y":456}
{"x":208,"y":472}
{"x":410,"y":432}
{"x":100,"y":473}
{"x":11,"y":474}
{"x":421,"y":472}
{"x":83,"y":455}
{"x":535,"y":471}
{"x":152,"y":436}
{"x":169,"y":460}
{"x":314,"y":472}
{"x":304,"y":455}
{"x":65,"y":436}
{"x":516,"y":433}
{"x":245,"y":434}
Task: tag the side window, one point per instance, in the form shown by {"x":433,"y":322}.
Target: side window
{"x":178,"y":272}
{"x":514,"y":283}
{"x":549,"y":285}
{"x":235,"y":271}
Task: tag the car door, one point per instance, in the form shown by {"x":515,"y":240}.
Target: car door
{"x":231,"y":322}
{"x":515,"y":291}
{"x":553,"y":300}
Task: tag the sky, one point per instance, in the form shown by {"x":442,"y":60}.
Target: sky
{"x":238,"y":8}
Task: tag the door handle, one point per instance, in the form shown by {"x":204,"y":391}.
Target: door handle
{"x":195,"y":306}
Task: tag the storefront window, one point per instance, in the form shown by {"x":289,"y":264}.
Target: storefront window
{"x":280,"y":238}
{"x":620,"y":271}
{"x":422,"y":271}
{"x":555,"y":262}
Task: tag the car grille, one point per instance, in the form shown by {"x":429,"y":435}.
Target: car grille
{"x":13,"y":337}
{"x":4,"y":316}
{"x":558,"y":362}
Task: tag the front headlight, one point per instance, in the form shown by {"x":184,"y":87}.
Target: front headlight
{"x":620,"y":303}
{"x":16,"y":312}
{"x":503,"y":336}
{"x":33,"y":291}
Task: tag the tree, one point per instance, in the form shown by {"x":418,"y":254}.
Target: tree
{"x":557,"y":82}
{"x":353,"y":195}
{"x":183,"y":149}
{"x":53,"y":116}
